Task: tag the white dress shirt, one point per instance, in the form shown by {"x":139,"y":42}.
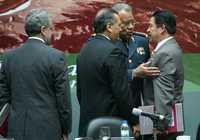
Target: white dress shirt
{"x":37,"y":38}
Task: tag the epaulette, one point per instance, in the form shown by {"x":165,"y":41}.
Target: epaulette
{"x":140,"y":34}
{"x":92,"y":36}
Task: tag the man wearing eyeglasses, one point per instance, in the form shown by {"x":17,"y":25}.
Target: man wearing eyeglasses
{"x":136,"y":47}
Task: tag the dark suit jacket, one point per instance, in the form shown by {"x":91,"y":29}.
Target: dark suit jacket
{"x":34,"y":80}
{"x":102,"y":85}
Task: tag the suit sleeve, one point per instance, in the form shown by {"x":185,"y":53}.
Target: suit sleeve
{"x":119,"y":84}
{"x":164,"y":85}
{"x":4,"y":84}
{"x":78,"y":82}
{"x":62,"y":92}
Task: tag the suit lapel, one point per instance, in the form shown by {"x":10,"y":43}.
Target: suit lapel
{"x":163,"y":47}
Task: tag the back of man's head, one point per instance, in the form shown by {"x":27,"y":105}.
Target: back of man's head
{"x":102,"y":19}
{"x":166,"y":18}
{"x":36,"y":19}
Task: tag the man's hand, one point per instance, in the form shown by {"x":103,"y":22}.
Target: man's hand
{"x":136,"y":130}
{"x":143,"y":70}
{"x":158,"y":132}
{"x":65,"y":137}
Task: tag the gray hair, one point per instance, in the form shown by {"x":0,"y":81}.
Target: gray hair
{"x":103,"y":18}
{"x":122,"y":7}
{"x":36,"y":19}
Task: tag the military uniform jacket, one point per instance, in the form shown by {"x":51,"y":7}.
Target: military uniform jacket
{"x":137,"y":52}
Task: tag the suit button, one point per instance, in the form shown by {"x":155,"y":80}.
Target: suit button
{"x":130,"y":61}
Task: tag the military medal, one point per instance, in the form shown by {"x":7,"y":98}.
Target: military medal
{"x":140,"y":50}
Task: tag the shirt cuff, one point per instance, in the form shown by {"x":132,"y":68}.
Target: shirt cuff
{"x":130,"y":74}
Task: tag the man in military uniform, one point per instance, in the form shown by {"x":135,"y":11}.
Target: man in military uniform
{"x":136,"y":47}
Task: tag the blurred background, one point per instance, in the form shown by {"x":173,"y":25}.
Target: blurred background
{"x":73,"y":25}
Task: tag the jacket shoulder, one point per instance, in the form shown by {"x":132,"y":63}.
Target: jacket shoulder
{"x":141,"y":37}
{"x":140,"y":34}
{"x":55,"y":51}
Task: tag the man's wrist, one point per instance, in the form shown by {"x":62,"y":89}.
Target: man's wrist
{"x":134,"y":74}
{"x":65,"y":137}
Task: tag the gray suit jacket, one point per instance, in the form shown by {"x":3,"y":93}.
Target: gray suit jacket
{"x":166,"y":89}
{"x":34,"y":80}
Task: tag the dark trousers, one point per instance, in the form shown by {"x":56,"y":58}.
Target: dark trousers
{"x":171,"y":136}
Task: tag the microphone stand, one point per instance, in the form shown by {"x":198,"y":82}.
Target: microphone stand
{"x":154,"y":135}
{"x":155,"y":120}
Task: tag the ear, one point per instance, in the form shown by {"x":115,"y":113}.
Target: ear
{"x":163,"y":28}
{"x":109,"y":27}
{"x":43,"y":28}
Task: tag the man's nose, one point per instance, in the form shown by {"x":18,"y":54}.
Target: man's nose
{"x":130,"y":25}
{"x":120,"y":28}
{"x":148,"y":30}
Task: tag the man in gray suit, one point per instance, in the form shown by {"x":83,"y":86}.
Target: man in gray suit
{"x":165,"y":90}
{"x":33,"y":79}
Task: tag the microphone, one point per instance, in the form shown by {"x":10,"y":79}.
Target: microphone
{"x":152,"y":116}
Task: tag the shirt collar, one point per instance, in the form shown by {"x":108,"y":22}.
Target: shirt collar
{"x":105,"y":36}
{"x":37,"y":38}
{"x":132,"y":38}
{"x":162,"y":42}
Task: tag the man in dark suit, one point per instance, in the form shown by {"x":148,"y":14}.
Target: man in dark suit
{"x":136,"y":47}
{"x":34,"y":81}
{"x":166,"y":89}
{"x":102,"y":84}
{"x":198,"y":133}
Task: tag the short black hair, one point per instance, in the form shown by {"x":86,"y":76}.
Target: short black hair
{"x":103,"y":18}
{"x":164,"y":17}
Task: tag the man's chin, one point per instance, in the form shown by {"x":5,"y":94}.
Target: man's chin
{"x":150,"y":39}
{"x":49,"y":43}
{"x":125,"y":38}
